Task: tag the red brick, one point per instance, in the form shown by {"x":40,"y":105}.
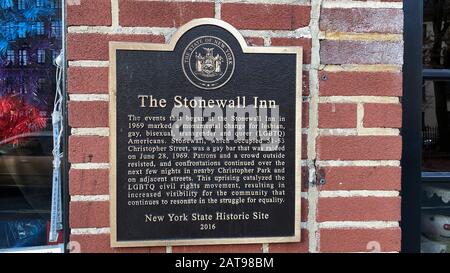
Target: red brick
{"x":89,"y":13}
{"x":360,"y":178}
{"x":359,"y":240}
{"x":303,"y":42}
{"x":88,"y":113}
{"x":359,"y":209}
{"x":305,"y":175}
{"x":299,"y":247}
{"x":304,"y":146}
{"x":89,"y":214}
{"x":305,"y":115}
{"x":382,"y":115}
{"x":96,"y":46}
{"x":362,"y":20}
{"x":361,"y":52}
{"x":254,"y":41}
{"x":259,"y":16}
{"x":359,"y":147}
{"x":305,"y":90}
{"x":88,"y":149}
{"x":100,"y":243}
{"x":87,"y":80}
{"x":88,"y":182}
{"x":245,"y":248}
{"x":161,"y":13}
{"x":337,"y":115}
{"x":304,"y":210}
{"x":360,"y":84}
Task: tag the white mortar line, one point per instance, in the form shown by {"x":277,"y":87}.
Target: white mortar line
{"x":89,"y":198}
{"x":292,"y":2}
{"x":100,"y":131}
{"x":359,"y":224}
{"x":89,"y":166}
{"x":89,"y":231}
{"x":168,"y":249}
{"x":115,"y":13}
{"x":362,"y":68}
{"x":121,"y":30}
{"x":358,"y":99}
{"x":378,"y":132}
{"x":313,"y":194}
{"x":265,"y":248}
{"x":338,"y":132}
{"x":217,"y":9}
{"x":89,"y":97}
{"x":88,"y":63}
{"x":358,"y":163}
{"x":358,"y":193}
{"x":357,"y":4}
{"x":298,"y":33}
{"x":359,"y":116}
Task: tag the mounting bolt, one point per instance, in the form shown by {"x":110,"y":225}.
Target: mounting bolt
{"x":322,"y":181}
{"x":324,"y":77}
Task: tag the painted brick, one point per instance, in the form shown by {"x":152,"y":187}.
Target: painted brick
{"x":161,"y":13}
{"x":88,"y":149}
{"x":260,"y":17}
{"x":254,"y":41}
{"x":89,"y":13}
{"x":337,"y":115}
{"x":361,"y":52}
{"x":359,"y":147}
{"x":88,"y":182}
{"x":362,"y":20}
{"x":89,"y":214}
{"x":303,"y":42}
{"x":246,"y":248}
{"x":96,"y":46}
{"x":360,"y":84}
{"x":100,"y":243}
{"x":360,"y":178}
{"x":358,"y":209}
{"x":358,"y":240}
{"x":88,"y":114}
{"x":382,"y":115}
{"x":87,"y":80}
{"x":299,"y":247}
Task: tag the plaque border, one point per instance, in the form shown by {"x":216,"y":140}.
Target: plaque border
{"x":114,"y":46}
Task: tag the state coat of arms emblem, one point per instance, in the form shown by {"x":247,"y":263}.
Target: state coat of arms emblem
{"x":208,"y":62}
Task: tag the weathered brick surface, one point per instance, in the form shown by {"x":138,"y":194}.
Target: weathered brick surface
{"x":162,"y":13}
{"x":337,"y":115}
{"x":88,"y":149}
{"x":88,"y":114}
{"x":89,"y":214}
{"x":87,"y":80}
{"x":100,"y":243}
{"x":360,"y":240}
{"x":359,"y":147}
{"x":360,"y":178}
{"x":88,"y":182}
{"x":90,"y":46}
{"x":358,"y":209}
{"x":383,"y":115}
{"x":361,"y":52}
{"x":303,"y":42}
{"x":361,"y":20}
{"x":276,"y":17}
{"x":360,"y":83}
{"x":89,"y":13}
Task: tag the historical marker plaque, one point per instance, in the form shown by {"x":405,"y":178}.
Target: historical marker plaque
{"x":205,"y":140}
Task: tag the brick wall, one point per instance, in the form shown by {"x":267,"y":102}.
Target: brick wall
{"x":353,"y":52}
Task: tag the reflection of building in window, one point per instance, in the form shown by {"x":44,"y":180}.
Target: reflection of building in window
{"x":23,"y":89}
{"x":55,"y":4}
{"x":10,"y":56}
{"x":22,"y":30}
{"x":40,"y":3}
{"x":41,"y":56}
{"x":39,"y":28}
{"x":21,"y":4}
{"x":23,"y":57}
{"x":56,"y":29}
{"x":55,"y":54}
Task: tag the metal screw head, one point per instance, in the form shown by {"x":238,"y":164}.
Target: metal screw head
{"x":322,"y":181}
{"x":324,"y":77}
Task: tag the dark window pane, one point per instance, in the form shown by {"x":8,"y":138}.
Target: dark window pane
{"x":436,"y":126}
{"x":436,"y":52}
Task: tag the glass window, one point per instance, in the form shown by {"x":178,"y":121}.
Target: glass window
{"x":41,"y":56}
{"x":56,"y":29}
{"x":26,"y":137}
{"x":23,"y":57}
{"x":10,"y":56}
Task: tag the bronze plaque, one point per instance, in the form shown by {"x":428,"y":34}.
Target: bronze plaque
{"x":205,"y":140}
